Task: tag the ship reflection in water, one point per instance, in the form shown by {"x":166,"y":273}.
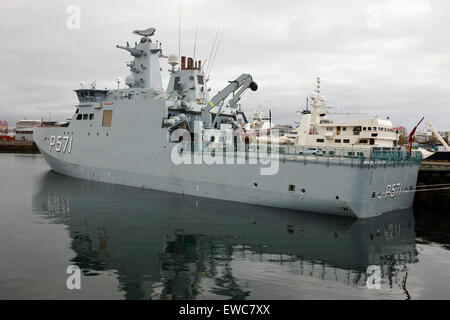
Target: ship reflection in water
{"x":168,"y":246}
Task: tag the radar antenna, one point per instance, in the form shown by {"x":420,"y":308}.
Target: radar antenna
{"x":318,"y":85}
{"x":145,"y":33}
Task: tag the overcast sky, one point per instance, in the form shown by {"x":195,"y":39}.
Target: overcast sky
{"x":389,"y":58}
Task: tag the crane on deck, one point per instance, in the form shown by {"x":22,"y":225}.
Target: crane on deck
{"x":437,"y":134}
{"x":237,"y":88}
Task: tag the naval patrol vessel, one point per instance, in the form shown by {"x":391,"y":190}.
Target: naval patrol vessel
{"x":180,"y":140}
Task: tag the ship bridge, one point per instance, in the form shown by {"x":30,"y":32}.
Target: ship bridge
{"x":91,"y":95}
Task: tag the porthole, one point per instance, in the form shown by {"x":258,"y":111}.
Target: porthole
{"x":303,"y":191}
{"x":255,"y":185}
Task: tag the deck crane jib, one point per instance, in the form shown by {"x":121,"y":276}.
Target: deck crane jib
{"x":188,"y":100}
{"x":237,"y":88}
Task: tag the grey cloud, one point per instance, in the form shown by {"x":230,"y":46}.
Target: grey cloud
{"x":400,"y":70}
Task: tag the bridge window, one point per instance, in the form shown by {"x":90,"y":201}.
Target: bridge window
{"x":79,"y":116}
{"x":91,"y":116}
{"x":200,"y":79}
{"x":291,"y":188}
{"x":85,"y":116}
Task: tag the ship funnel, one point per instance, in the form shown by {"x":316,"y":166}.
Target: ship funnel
{"x":190,"y":64}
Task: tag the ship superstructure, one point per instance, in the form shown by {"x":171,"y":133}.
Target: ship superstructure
{"x":180,"y":140}
{"x":316,"y":129}
{"x":259,"y":123}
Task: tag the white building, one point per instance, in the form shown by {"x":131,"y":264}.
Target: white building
{"x":25,"y":128}
{"x":423,"y":136}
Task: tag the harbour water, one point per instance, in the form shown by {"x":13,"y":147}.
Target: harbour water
{"x":142,"y":244}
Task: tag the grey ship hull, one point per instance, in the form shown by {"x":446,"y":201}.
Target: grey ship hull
{"x":136,"y":152}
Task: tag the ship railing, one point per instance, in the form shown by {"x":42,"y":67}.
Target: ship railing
{"x":367,"y":157}
{"x":370,"y":157}
{"x":363,"y":157}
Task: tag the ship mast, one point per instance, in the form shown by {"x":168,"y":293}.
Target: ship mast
{"x":145,"y":68}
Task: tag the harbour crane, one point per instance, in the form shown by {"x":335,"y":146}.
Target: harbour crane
{"x":436,"y":133}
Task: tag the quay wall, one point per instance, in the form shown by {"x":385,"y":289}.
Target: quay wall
{"x":18,"y":147}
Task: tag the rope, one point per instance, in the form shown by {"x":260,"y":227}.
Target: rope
{"x":432,"y":189}
{"x":415,"y":190}
{"x":432,"y":185}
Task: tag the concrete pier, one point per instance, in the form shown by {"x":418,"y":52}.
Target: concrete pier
{"x":433,"y":175}
{"x":18,"y":147}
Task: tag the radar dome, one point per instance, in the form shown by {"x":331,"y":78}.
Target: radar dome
{"x":130,"y":81}
{"x":173,"y":60}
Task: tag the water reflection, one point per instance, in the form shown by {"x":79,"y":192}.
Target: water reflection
{"x":166,"y":246}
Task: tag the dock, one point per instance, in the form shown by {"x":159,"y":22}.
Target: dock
{"x":18,"y":147}
{"x":433,"y":185}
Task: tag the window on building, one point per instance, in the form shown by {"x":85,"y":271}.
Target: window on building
{"x":364,"y":128}
{"x":329,"y":128}
{"x":85,"y":116}
{"x":107,"y":118}
{"x":91,"y":116}
{"x":374,"y":128}
{"x":337,"y":140}
{"x":369,"y":128}
{"x":319,"y":140}
{"x":363,"y":141}
{"x":344,"y":129}
{"x":346,"y":140}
